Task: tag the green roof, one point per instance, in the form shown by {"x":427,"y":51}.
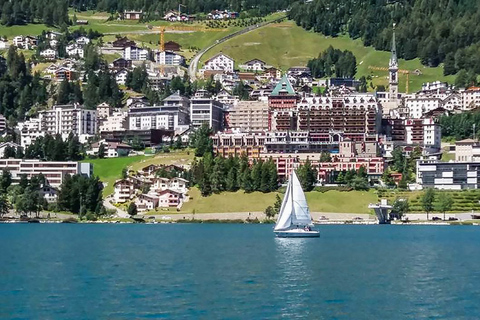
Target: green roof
{"x":283,"y":87}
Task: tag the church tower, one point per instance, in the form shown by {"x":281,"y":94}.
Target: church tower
{"x":393,"y":71}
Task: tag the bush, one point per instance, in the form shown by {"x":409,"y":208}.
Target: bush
{"x":325,"y":189}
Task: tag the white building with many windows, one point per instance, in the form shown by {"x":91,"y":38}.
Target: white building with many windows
{"x":135,"y":53}
{"x":169,"y":58}
{"x":204,"y":109}
{"x":220,"y":62}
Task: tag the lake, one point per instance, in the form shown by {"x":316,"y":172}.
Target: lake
{"x":218,"y":271}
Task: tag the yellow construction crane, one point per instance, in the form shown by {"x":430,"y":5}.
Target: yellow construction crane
{"x":402,"y":71}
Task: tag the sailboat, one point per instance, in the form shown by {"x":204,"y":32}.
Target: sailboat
{"x":294,"y":219}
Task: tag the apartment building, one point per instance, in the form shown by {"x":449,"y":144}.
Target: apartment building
{"x":174,"y":114}
{"x":471,"y":98}
{"x":235,"y":144}
{"x":204,"y":109}
{"x":423,"y":132}
{"x":53,"y":171}
{"x":169,"y":58}
{"x":249,"y":116}
{"x":135,"y":53}
{"x":448,"y":175}
{"x":282,"y":106}
{"x":66,"y":119}
{"x":117,"y":121}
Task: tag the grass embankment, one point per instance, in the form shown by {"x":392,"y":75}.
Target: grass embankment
{"x":285,"y":45}
{"x":330,"y":201}
{"x":463,"y":201}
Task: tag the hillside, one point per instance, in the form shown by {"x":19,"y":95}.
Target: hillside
{"x":285,"y":45}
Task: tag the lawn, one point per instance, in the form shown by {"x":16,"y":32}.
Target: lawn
{"x":174,"y":157}
{"x":109,"y":170}
{"x":26,"y":30}
{"x":285,"y":45}
{"x":330,"y":201}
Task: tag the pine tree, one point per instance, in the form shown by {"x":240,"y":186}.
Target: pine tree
{"x":132,"y":209}
{"x":231,"y":182}
{"x":278,"y":204}
{"x":257,"y":175}
{"x":307,"y":176}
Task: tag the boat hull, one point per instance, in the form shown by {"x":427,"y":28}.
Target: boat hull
{"x":297,"y":233}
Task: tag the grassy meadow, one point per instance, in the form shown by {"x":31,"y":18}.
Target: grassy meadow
{"x":285,"y":44}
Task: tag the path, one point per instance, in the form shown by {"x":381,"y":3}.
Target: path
{"x":120,"y":213}
{"x":192,"y":68}
{"x":252,"y":215}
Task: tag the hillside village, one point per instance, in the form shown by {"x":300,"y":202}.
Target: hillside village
{"x":252,"y":108}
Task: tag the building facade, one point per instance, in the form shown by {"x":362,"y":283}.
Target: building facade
{"x":249,"y":116}
{"x":204,"y":109}
{"x":53,"y":171}
{"x":66,"y":119}
{"x":448,"y":175}
{"x":220,"y":62}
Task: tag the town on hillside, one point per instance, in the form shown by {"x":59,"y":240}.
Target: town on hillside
{"x":82,"y":107}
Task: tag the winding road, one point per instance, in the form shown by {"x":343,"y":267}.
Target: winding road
{"x":192,"y":68}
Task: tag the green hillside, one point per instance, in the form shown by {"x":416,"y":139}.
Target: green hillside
{"x":285,"y":45}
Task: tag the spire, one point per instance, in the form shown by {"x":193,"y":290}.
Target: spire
{"x":393,"y":58}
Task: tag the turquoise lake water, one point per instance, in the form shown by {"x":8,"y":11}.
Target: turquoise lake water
{"x":202,"y":271}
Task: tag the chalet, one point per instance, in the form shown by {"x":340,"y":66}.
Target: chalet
{"x":49,"y":193}
{"x":51,"y":69}
{"x":132,"y":15}
{"x":170,"y":198}
{"x":255,"y":65}
{"x":175,"y":184}
{"x":49,"y":54}
{"x":65,"y":73}
{"x":27,"y":42}
{"x":123,"y":43}
{"x":52,"y":35}
{"x":122,"y":63}
{"x":82,"y":41}
{"x":220,"y":62}
{"x":121,"y":76}
{"x":220,"y":15}
{"x":146,"y":202}
{"x":124,"y":190}
{"x":172,"y":46}
{"x":104,"y":110}
{"x":75,"y":50}
{"x":148,"y":170}
{"x":273,"y":73}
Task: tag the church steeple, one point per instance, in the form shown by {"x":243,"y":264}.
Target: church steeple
{"x":393,"y":58}
{"x":393,"y":71}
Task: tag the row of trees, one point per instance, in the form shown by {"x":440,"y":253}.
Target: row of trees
{"x":342,"y":64}
{"x":214,"y":175}
{"x":54,"y":148}
{"x":444,"y":204}
{"x":439,"y":31}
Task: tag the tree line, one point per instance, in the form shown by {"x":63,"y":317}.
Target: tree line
{"x":49,"y":12}
{"x":19,"y":90}
{"x":434,"y":31}
{"x":214,"y":175}
{"x":342,"y":64}
{"x":460,"y":126}
{"x":54,"y":148}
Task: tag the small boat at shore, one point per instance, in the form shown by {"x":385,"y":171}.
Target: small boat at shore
{"x":294,"y":219}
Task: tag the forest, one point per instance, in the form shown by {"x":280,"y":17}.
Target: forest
{"x":435,"y":31}
{"x":460,"y":126}
{"x":342,"y":64}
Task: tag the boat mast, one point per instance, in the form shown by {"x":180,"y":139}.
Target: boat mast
{"x":291,"y":195}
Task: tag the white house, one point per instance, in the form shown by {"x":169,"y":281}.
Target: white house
{"x":82,"y":41}
{"x":49,"y":54}
{"x":121,"y":77}
{"x":146,"y":202}
{"x":49,"y":193}
{"x":53,"y":35}
{"x":112,"y":149}
{"x":220,"y":62}
{"x":255,"y":65}
{"x":75,"y":50}
{"x":175,"y":184}
{"x":135,"y":53}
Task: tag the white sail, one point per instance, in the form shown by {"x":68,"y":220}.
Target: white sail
{"x":284,"y":219}
{"x":301,"y":211}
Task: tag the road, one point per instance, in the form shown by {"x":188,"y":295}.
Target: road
{"x":120,"y":212}
{"x":192,"y":68}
